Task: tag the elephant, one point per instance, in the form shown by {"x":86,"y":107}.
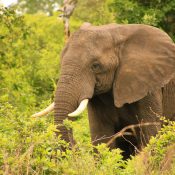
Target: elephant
{"x":124,"y":74}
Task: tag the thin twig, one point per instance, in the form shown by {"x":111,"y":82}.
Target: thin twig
{"x":122,"y":132}
{"x":6,"y":165}
{"x":103,"y":137}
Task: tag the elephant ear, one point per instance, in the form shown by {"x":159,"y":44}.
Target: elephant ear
{"x":146,"y":62}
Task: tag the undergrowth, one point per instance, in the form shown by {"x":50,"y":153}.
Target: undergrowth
{"x":29,"y":146}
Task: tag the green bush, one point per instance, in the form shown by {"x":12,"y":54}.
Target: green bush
{"x":159,"y":13}
{"x":29,"y":52}
{"x":158,"y":157}
{"x":29,"y":146}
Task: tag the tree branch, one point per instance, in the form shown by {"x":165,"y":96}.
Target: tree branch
{"x":123,"y":131}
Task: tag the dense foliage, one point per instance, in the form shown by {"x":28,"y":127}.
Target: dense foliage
{"x":95,"y":12}
{"x":35,"y":6}
{"x":159,"y":13}
{"x":29,"y":58}
{"x":30,"y":46}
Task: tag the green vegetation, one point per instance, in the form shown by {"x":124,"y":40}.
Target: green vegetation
{"x":34,"y":6}
{"x":158,"y":157}
{"x":159,"y":13}
{"x":29,"y":146}
{"x":30,"y":48}
{"x":27,"y":45}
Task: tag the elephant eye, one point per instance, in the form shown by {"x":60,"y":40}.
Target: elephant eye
{"x":96,"y":67}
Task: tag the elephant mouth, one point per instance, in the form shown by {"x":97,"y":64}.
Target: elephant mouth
{"x":82,"y":106}
{"x":98,"y":90}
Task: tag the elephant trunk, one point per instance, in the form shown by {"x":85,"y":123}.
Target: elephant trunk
{"x":64,"y":104}
{"x":70,"y":92}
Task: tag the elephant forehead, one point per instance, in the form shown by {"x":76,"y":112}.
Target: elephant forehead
{"x":91,"y":38}
{"x":86,"y":45}
{"x":90,"y":43}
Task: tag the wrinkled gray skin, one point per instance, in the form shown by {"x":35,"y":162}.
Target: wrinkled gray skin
{"x":127,"y":73}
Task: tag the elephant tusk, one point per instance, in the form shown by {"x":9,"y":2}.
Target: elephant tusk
{"x":45,"y":111}
{"x":80,"y":108}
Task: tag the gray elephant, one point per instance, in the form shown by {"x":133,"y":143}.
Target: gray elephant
{"x":125,"y":73}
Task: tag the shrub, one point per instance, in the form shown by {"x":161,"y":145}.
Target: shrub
{"x":158,"y":157}
{"x":29,"y":53}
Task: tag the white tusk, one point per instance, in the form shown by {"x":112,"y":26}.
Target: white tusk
{"x":45,"y":111}
{"x":80,"y":108}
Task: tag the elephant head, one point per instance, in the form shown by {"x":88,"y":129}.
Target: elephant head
{"x":128,"y":60}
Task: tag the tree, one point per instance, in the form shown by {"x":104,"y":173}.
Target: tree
{"x":27,"y":45}
{"x":34,"y":6}
{"x":93,"y":11}
{"x":67,"y":11}
{"x":159,"y":13}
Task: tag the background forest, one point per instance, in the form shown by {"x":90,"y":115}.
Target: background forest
{"x":31,"y":40}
